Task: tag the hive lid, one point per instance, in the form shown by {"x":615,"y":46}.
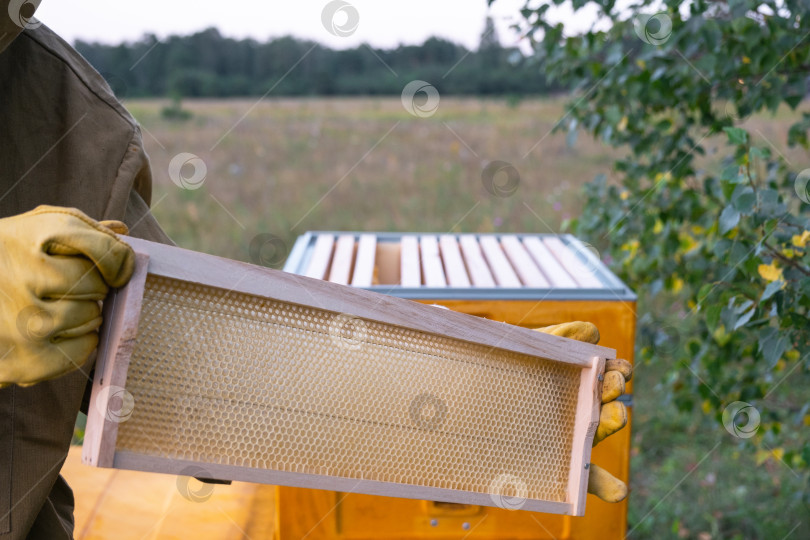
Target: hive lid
{"x":459,"y":266}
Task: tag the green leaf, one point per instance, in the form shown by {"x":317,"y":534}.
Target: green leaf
{"x":793,"y":101}
{"x":722,"y":247}
{"x":739,"y":254}
{"x":769,"y":204}
{"x":772,"y":288}
{"x":731,"y":174}
{"x":760,"y":153}
{"x":704,"y":292}
{"x":736,"y":135}
{"x":743,"y":198}
{"x":772,"y":344}
{"x":729,"y":219}
{"x":732,"y":314}
{"x":744,"y":318}
{"x":712,"y":316}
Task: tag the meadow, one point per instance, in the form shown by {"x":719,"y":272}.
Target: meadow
{"x":285,"y":166}
{"x":294,"y":165}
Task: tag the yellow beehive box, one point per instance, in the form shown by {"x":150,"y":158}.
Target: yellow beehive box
{"x":522,"y":279}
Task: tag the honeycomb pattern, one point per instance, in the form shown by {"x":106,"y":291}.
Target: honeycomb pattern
{"x":234,"y":379}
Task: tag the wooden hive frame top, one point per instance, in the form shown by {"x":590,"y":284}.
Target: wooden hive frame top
{"x":458,"y":266}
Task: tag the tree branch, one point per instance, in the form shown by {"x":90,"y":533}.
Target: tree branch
{"x":786,"y":260}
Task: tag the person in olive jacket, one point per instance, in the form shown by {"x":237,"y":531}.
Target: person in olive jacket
{"x":65,"y":142}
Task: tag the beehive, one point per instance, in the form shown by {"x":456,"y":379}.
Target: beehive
{"x":426,"y":266}
{"x":525,"y":279}
{"x":244,"y":373}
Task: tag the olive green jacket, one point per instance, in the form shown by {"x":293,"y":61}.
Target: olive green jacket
{"x":64,"y":140}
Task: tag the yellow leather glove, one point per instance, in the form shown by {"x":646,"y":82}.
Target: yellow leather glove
{"x":57,"y":264}
{"x":613,"y":415}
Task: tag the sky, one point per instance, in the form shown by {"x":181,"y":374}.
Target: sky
{"x":349,"y":23}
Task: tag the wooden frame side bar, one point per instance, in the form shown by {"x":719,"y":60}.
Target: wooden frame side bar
{"x":121,"y":314}
{"x":585,"y":424}
{"x":186,"y":265}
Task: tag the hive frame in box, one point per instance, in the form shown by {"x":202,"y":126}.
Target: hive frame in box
{"x":610,"y":289}
{"x":120,"y":331}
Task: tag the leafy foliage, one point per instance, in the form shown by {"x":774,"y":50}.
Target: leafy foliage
{"x":709,"y":222}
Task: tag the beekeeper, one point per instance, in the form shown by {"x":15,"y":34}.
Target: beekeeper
{"x":65,"y":142}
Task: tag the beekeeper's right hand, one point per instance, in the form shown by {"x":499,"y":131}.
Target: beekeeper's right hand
{"x":613,"y":414}
{"x":56,"y":265}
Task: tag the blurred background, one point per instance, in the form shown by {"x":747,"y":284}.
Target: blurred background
{"x":672,"y":136}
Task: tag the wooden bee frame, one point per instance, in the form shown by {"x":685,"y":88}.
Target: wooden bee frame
{"x":215,"y":368}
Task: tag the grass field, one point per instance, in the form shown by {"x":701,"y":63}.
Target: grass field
{"x":294,"y":165}
{"x":287,"y":166}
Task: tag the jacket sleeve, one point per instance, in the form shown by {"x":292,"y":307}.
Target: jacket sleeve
{"x":70,"y":142}
{"x":131,"y":194}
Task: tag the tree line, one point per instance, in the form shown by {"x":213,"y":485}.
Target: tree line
{"x":208,"y":64}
